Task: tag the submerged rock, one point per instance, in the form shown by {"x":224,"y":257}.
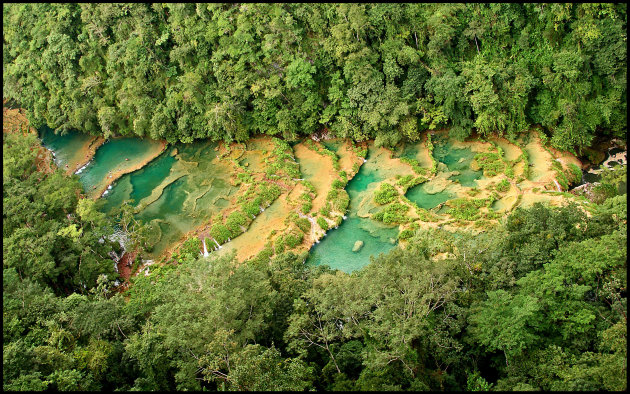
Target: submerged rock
{"x":392,"y":241}
{"x":357,"y":246}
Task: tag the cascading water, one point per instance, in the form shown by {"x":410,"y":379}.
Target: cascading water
{"x":205,"y":250}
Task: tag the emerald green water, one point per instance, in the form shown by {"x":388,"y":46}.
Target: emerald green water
{"x":454,"y":159}
{"x":425,"y":200}
{"x":139,"y":184}
{"x":457,"y":160}
{"x":149,"y":177}
{"x":66,"y":147}
{"x":111,"y":156}
{"x":335,"y":249}
{"x":179,"y":191}
{"x":189,"y":201}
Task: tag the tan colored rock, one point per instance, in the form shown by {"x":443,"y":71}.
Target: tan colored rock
{"x":357,"y":246}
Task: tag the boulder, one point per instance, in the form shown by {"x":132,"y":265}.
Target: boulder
{"x":357,"y":246}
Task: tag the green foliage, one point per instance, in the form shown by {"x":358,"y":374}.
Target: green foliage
{"x":293,"y":239}
{"x":338,"y":199}
{"x":385,"y":194}
{"x":465,"y":209}
{"x":303,"y":224}
{"x":476,"y":382}
{"x":220,"y":233}
{"x":503,"y":186}
{"x":415,"y":164}
{"x":409,"y":181}
{"x":559,"y":67}
{"x":49,"y":235}
{"x":234,"y":222}
{"x":309,"y":186}
{"x":491,"y":163}
{"x":322,"y":223}
{"x":306,"y":207}
{"x":392,"y":214}
{"x":575,"y":173}
{"x":406,"y":233}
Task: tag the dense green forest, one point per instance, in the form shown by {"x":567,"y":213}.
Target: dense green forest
{"x":538,"y":303}
{"x":384,"y":71}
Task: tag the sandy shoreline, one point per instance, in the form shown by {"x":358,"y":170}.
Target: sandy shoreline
{"x":87,"y":153}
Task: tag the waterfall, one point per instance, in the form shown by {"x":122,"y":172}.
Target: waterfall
{"x":215,"y":241}
{"x":205,"y":250}
{"x":80,"y":170}
{"x":344,"y":217}
{"x":557,"y":185}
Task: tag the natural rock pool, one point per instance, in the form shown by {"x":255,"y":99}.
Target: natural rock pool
{"x":184,"y":188}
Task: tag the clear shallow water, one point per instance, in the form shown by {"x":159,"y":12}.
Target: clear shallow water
{"x":457,"y":160}
{"x":139,"y":184}
{"x":67,"y":147}
{"x":424,"y":200}
{"x":198,"y":186}
{"x":111,"y":156}
{"x":335,"y":249}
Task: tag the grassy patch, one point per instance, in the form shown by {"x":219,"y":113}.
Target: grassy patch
{"x":490,"y":162}
{"x":465,"y":209}
{"x":283,"y":161}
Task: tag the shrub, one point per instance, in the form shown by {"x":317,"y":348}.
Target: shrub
{"x":303,"y":224}
{"x":406,"y":234}
{"x":338,"y":184}
{"x":424,"y":215}
{"x":392,"y":214}
{"x":234,"y":222}
{"x":491,"y":163}
{"x":385,"y":194}
{"x":341,"y":202}
{"x":309,"y":186}
{"x":220,"y":233}
{"x":503,"y":186}
{"x":408,"y":181}
{"x":473,"y":192}
{"x":269,"y":192}
{"x":245,"y":177}
{"x":322,"y":223}
{"x":279,"y":245}
{"x":292,"y":240}
{"x":415,"y":165}
{"x":509,"y":171}
{"x":575,"y":173}
{"x":465,"y":209}
{"x":306,"y":207}
{"x":252,"y":208}
{"x":262,"y":258}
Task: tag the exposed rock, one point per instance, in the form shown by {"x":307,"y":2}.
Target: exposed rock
{"x":436,"y":185}
{"x":357,"y":246}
